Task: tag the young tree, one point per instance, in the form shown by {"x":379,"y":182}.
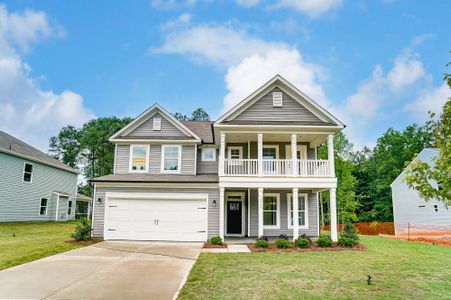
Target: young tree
{"x":434,"y":182}
{"x":66,"y":146}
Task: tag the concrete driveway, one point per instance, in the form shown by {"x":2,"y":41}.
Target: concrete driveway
{"x":107,"y":270}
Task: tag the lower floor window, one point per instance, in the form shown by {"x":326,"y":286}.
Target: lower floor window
{"x":271,"y":207}
{"x":69,"y":207}
{"x":43,"y":206}
{"x":302,"y":210}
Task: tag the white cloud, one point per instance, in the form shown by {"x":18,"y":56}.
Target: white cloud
{"x":431,"y":99}
{"x":247,"y":3}
{"x":180,"y":21}
{"x":219,"y":45}
{"x":407,"y":70}
{"x":171,"y":4}
{"x":311,"y":8}
{"x":421,"y":38}
{"x":27,"y":111}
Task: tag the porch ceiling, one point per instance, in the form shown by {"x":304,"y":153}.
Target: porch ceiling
{"x":314,"y":139}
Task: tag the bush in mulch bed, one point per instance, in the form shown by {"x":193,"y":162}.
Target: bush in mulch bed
{"x":272,"y":247}
{"x":215,"y":242}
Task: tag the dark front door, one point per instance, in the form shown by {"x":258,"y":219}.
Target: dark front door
{"x":234,"y":217}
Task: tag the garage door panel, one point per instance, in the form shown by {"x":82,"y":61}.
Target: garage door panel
{"x":156,"y":219}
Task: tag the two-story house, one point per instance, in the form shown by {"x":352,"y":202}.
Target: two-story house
{"x":33,"y":185}
{"x":254,"y":172}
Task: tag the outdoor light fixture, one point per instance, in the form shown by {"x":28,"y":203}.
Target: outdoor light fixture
{"x":214,"y":203}
{"x":99,"y":201}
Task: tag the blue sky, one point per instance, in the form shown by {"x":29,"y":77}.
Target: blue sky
{"x":375,"y":64}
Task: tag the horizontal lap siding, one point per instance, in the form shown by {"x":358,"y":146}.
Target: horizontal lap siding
{"x":312,"y":215}
{"x":263,"y":110}
{"x":146,"y":129}
{"x":122,"y":159}
{"x":282,"y":149}
{"x":213,"y":212}
{"x":20,"y":201}
{"x":207,"y":167}
{"x":188,"y":159}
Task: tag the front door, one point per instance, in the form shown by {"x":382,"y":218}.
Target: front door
{"x":234,"y":215}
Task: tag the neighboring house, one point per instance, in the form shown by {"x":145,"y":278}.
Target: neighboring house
{"x":411,"y":212}
{"x":33,"y":185}
{"x":83,"y":205}
{"x":189,"y":181}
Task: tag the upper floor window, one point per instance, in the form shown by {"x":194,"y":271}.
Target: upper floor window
{"x":156,"y":123}
{"x":235,"y":152}
{"x":171,"y":158}
{"x":27,"y":172}
{"x":43,"y":206}
{"x":139,"y":155}
{"x":208,"y":154}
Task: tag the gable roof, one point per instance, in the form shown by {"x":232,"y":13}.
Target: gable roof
{"x":203,"y":129}
{"x":280,"y":82}
{"x":156,"y":108}
{"x":427,"y":155}
{"x":13,"y":146}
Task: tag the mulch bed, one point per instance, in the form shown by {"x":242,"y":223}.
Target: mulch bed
{"x":273,"y":248}
{"x":210,"y":245}
{"x":84,"y":243}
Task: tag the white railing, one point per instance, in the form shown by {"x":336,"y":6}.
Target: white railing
{"x":276,"y":167}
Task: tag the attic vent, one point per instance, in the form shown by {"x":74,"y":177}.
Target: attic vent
{"x":277,"y":99}
{"x":156,"y":123}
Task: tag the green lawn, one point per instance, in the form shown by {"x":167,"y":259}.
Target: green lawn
{"x":33,"y":241}
{"x":400,"y":270}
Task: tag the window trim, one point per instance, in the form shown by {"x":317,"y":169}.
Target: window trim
{"x":273,"y":147}
{"x":130,"y":163}
{"x":230,"y":148}
{"x":205,"y":159}
{"x":277,"y":195}
{"x":46,"y":206}
{"x":162,"y":170}
{"x":289,"y":226}
{"x":31,"y":174}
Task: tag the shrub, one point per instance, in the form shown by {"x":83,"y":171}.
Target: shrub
{"x":324,"y":241}
{"x":82,"y":231}
{"x":304,"y":236}
{"x":216,"y":240}
{"x":261,"y":243}
{"x":346,"y":241}
{"x":302,"y":242}
{"x":349,"y":236}
{"x":283,"y":244}
{"x":283,"y":237}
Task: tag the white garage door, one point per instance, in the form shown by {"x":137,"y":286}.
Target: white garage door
{"x":156,"y":219}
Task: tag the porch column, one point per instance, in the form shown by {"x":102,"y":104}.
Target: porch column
{"x":221,"y":213}
{"x":295,"y":213}
{"x":260,"y":212}
{"x":294,"y":157}
{"x":260,"y":154}
{"x":222,"y":154}
{"x":333,"y":214}
{"x":330,"y":154}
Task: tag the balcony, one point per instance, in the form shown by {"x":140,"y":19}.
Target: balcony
{"x":276,"y":167}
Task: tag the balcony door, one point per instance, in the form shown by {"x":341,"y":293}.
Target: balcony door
{"x":301,"y":152}
{"x":270,"y":155}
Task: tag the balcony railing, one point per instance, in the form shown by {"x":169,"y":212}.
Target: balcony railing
{"x":276,"y":167}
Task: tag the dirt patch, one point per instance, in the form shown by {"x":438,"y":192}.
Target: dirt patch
{"x":210,"y":245}
{"x":442,"y":241}
{"x":273,"y":248}
{"x":83,"y":243}
{"x":369,"y":228}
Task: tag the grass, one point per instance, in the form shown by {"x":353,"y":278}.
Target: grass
{"x":400,"y":270}
{"x":32,"y":241}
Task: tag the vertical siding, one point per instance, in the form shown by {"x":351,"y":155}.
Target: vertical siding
{"x":207,"y":167}
{"x":20,"y":201}
{"x":213,"y":212}
{"x":312,"y":214}
{"x":263,"y":110}
{"x":146,"y":129}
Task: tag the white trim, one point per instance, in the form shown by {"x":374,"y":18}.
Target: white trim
{"x":130,"y":162}
{"x":155,"y":141}
{"x":179,"y":160}
{"x":46,"y":206}
{"x":94,"y":200}
{"x":300,"y":148}
{"x":275,"y":81}
{"x":248,"y":212}
{"x":289,"y":210}
{"x":57,"y":206}
{"x":278,"y":182}
{"x":23,"y":172}
{"x":114,"y":159}
{"x":208,"y":148}
{"x":197,"y":185}
{"x":229,"y":148}
{"x":242,"y":196}
{"x":277,"y":195}
{"x":272,"y":147}
{"x":196,"y":152}
{"x":148,"y":114}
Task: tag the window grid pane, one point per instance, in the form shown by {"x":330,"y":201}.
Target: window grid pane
{"x":171,"y":158}
{"x":301,"y":211}
{"x":139,"y":158}
{"x":270,"y":211}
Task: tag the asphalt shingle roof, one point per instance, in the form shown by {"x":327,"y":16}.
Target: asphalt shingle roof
{"x":204,"y":130}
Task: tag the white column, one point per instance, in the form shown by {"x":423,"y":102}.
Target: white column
{"x":57,"y":206}
{"x":260,"y":212}
{"x":295,"y":213}
{"x":330,"y":154}
{"x":222,"y":154}
{"x":221,"y":213}
{"x":333,"y":214}
{"x":294,"y":158}
{"x":260,"y":154}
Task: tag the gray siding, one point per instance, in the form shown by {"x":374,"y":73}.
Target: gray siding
{"x":213,"y":212}
{"x":188,"y":159}
{"x":263,"y":110}
{"x":207,"y":167}
{"x":146,"y":129}
{"x":20,"y":201}
{"x":312,"y":214}
{"x":282,"y":148}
